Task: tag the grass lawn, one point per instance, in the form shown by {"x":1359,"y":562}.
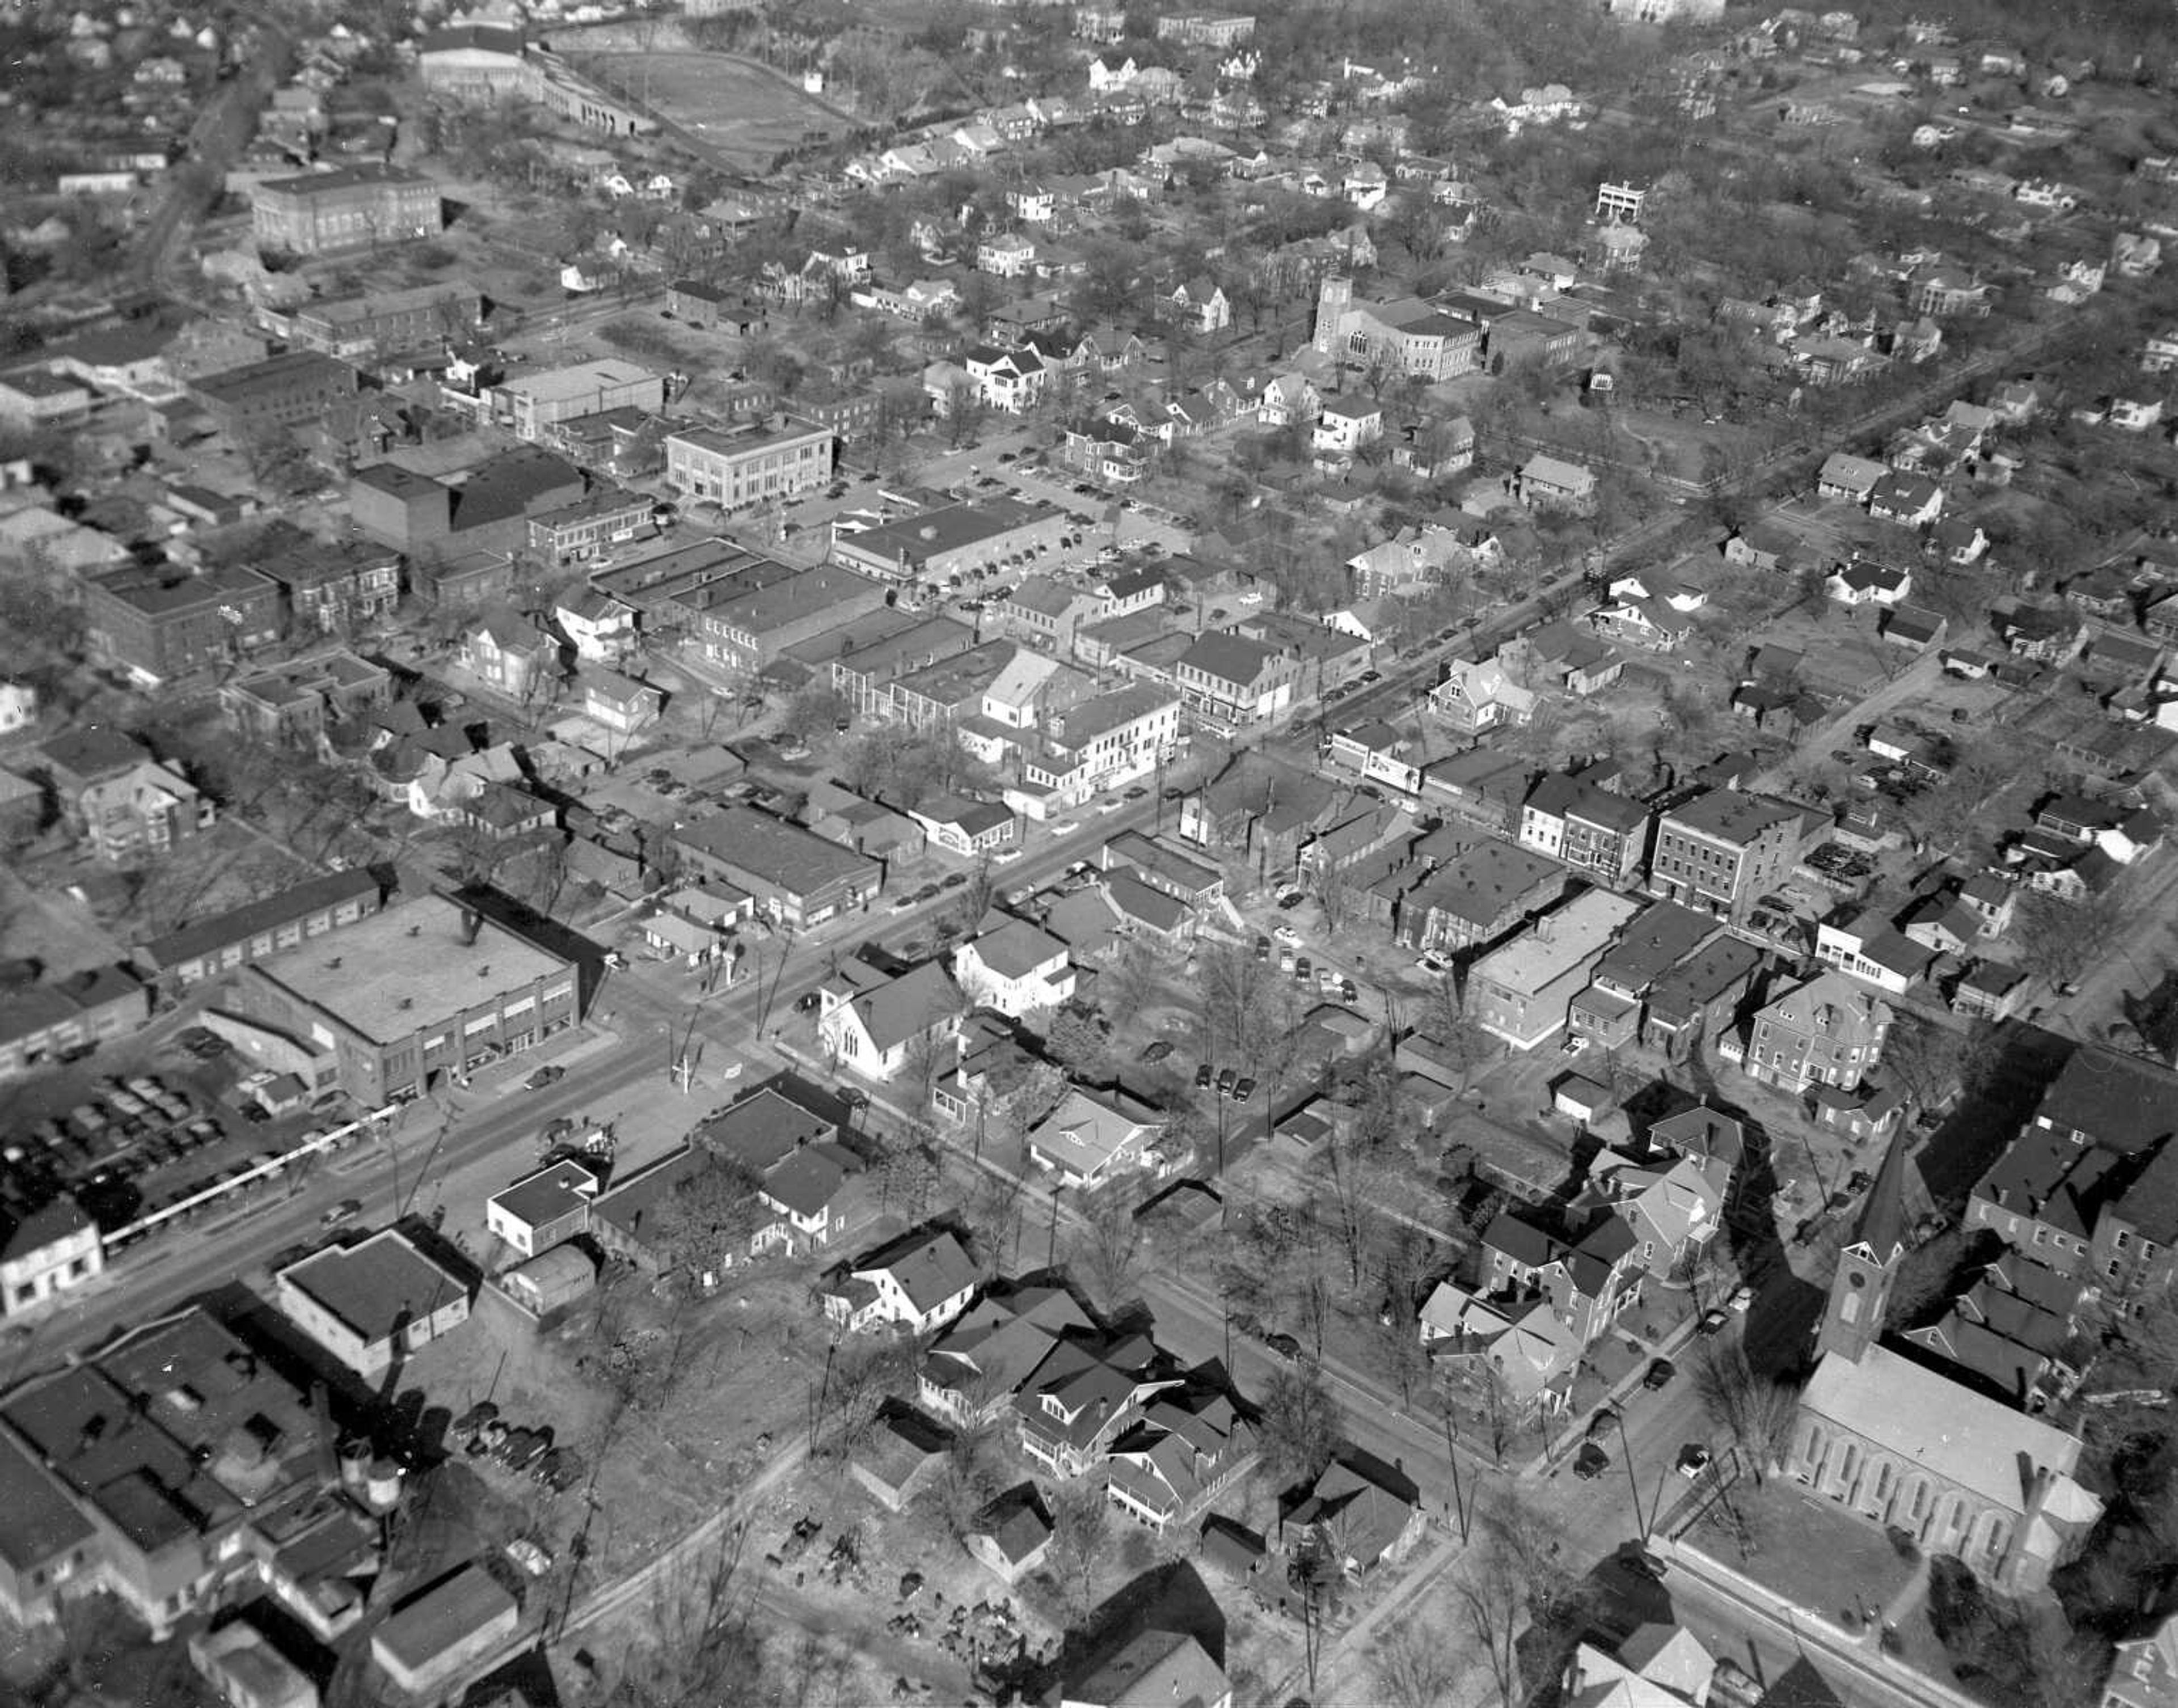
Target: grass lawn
{"x":1805,"y":1548}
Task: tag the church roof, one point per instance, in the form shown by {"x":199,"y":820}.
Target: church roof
{"x":1883,"y":1218}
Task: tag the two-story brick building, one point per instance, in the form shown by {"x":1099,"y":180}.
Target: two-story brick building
{"x":736,"y":469}
{"x":356,"y":207}
{"x":416,"y":996}
{"x":1723,"y":850}
{"x":158,"y":626}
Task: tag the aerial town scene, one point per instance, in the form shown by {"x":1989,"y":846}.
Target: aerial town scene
{"x":905,"y":851}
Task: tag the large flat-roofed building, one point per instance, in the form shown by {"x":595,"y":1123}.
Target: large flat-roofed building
{"x":748,"y":630}
{"x":383,"y":320}
{"x":797,"y":878}
{"x":535,"y":402}
{"x":433,"y":1636}
{"x":158,"y":627}
{"x":1521,"y":990}
{"x":353,"y":208}
{"x":483,"y":63}
{"x":422,"y":991}
{"x":158,"y":1469}
{"x":936,"y":544}
{"x":258,"y":929}
{"x":733,"y":469}
{"x":372,"y":1303}
{"x":280,"y":392}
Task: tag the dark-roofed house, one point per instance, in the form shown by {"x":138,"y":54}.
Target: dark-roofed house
{"x":1593,"y":831}
{"x":46,"y":1547}
{"x":1362,"y":1512}
{"x":2090,"y":1186}
{"x":1481,"y":895}
{"x":370,"y":1304}
{"x":918,"y":1282}
{"x":1186,"y":1448}
{"x":1154,"y":1667}
{"x":797,"y":878}
{"x":901,"y":1454}
{"x":1012,"y":1533}
{"x":1261,"y":807}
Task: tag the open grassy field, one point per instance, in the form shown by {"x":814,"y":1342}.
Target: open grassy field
{"x":744,"y":115}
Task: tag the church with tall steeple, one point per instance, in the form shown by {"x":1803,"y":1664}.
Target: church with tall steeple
{"x":1906,"y":1447}
{"x":1868,"y":1265}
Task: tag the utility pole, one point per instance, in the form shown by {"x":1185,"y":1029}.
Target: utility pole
{"x":1632,"y":1482}
{"x":1459,"y":1494}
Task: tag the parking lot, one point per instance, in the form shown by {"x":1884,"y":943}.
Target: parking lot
{"x":146,"y":1136}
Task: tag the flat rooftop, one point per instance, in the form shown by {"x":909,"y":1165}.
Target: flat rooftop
{"x":376,"y":1286}
{"x":421,"y":954}
{"x":1559,"y":942}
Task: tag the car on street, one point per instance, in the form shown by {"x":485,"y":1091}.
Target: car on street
{"x":953,"y":881}
{"x":1712,"y":1322}
{"x":1289,"y":899}
{"x":1348,"y":990}
{"x":1157,"y":1050}
{"x":1007,"y":856}
{"x":1304,"y":971}
{"x":1591,"y":1462}
{"x":1110,"y":803}
{"x":1742,"y":1298}
{"x":928,"y":893}
{"x":1659,"y":1375}
{"x":550,"y":1074}
{"x":1226,"y":1076}
{"x":1642,"y":1563}
{"x":1263,"y":948}
{"x":1605,"y":1421}
{"x":1285,"y":1346}
{"x":902,"y":904}
{"x":808,"y":1003}
{"x":1138,"y":793}
{"x":1286,"y":934}
{"x":1243,"y":1088}
{"x":346,"y":1210}
{"x":1692,"y":1461}
{"x":1204,"y":1074}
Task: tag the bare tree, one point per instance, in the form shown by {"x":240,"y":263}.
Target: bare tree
{"x":1109,"y":1248}
{"x":701,"y":1640}
{"x":1416,"y":1667}
{"x":1487,"y":1595}
{"x":1755,"y":1410}
{"x":1300,"y":1427}
{"x":1081,"y":1527}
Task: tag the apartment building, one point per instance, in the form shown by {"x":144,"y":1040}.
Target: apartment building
{"x":1722,"y":851}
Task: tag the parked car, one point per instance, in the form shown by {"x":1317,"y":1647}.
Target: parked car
{"x":1605,"y":1421}
{"x":346,"y":1210}
{"x":1204,"y":1074}
{"x":1226,"y":1079}
{"x":1742,"y":1298}
{"x":1591,"y":1462}
{"x":530,"y":1557}
{"x":1659,"y":1375}
{"x":1157,"y":1050}
{"x":1243,"y":1088}
{"x":1285,"y":1346}
{"x":1692,"y":1459}
{"x":1712,"y":1322}
{"x":549,"y":1074}
{"x":1304,"y":971}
